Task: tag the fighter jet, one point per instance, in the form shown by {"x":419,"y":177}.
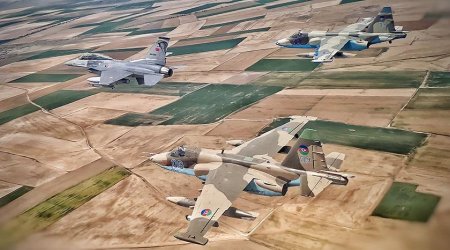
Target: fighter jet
{"x":355,"y":37}
{"x":252,"y":168}
{"x":148,"y":71}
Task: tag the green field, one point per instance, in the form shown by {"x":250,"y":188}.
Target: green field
{"x":107,"y":26}
{"x":205,"y":47}
{"x":232,"y":22}
{"x":285,"y":79}
{"x":349,"y":1}
{"x":213,"y":103}
{"x":364,"y":79}
{"x":53,"y":209}
{"x":226,"y":34}
{"x":283,"y":65}
{"x":404,"y":203}
{"x":439,"y":79}
{"x":55,"y":53}
{"x":135,"y":119}
{"x":54,"y":100}
{"x":374,"y":138}
{"x":162,"y":88}
{"x":229,"y":8}
{"x":198,"y":8}
{"x":150,"y":31}
{"x":14,"y":195}
{"x":285,"y":4}
{"x":436,"y":99}
{"x":39,"y":77}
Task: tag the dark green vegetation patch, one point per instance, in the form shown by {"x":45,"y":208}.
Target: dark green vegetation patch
{"x":374,"y":138}
{"x":285,"y":4}
{"x":135,"y":119}
{"x":150,"y":31}
{"x":205,"y":47}
{"x":364,"y":79}
{"x":38,"y":77}
{"x":439,"y":79}
{"x":404,"y":203}
{"x":349,"y":1}
{"x":14,"y":195}
{"x":226,"y":9}
{"x":232,"y":22}
{"x":51,"y":101}
{"x":55,"y":53}
{"x":162,"y":88}
{"x":283,"y":65}
{"x":198,"y":8}
{"x":436,"y":99}
{"x":213,"y":103}
{"x":53,"y":209}
{"x":235,"y":33}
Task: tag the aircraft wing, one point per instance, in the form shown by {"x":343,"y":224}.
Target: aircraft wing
{"x":223,"y":185}
{"x":272,"y":141}
{"x":108,"y":77}
{"x":329,"y":46}
{"x":359,"y":26}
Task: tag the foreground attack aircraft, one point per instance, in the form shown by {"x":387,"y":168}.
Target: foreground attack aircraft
{"x":148,"y":71}
{"x":355,"y":37}
{"x":251,"y":167}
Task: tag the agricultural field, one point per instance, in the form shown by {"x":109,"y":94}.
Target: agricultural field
{"x":77,"y":173}
{"x":212,"y":103}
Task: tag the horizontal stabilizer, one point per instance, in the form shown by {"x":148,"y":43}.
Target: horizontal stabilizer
{"x":311,"y":185}
{"x":150,"y":80}
{"x":334,"y":160}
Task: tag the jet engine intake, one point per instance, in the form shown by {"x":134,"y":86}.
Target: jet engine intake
{"x":167,"y":72}
{"x":273,"y":187}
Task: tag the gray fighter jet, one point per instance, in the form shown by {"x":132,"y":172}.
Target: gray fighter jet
{"x":148,"y":71}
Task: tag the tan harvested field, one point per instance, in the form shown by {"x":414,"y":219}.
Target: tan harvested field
{"x":54,"y":152}
{"x":118,"y":101}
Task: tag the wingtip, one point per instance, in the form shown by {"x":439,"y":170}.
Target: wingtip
{"x":191,"y":238}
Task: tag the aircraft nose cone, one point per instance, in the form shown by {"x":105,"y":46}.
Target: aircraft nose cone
{"x":160,"y":159}
{"x":175,"y":199}
{"x":282,"y":42}
{"x":70,"y":63}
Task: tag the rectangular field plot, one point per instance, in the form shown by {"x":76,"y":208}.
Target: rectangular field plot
{"x":55,"y":53}
{"x":162,"y":88}
{"x":205,"y":47}
{"x":51,"y":210}
{"x":439,"y":79}
{"x":404,"y":203}
{"x":428,"y":111}
{"x":286,"y":79}
{"x":135,"y":119}
{"x":38,"y":77}
{"x":14,"y":195}
{"x":54,"y":100}
{"x":364,"y":80}
{"x":381,"y":139}
{"x":283,"y":65}
{"x":213,"y":103}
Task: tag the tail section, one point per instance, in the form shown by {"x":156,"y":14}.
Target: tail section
{"x":383,"y":22}
{"x":334,"y":160}
{"x":307,"y":153}
{"x":157,"y":52}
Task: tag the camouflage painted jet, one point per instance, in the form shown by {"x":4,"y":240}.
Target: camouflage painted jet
{"x":355,"y":37}
{"x":148,"y":71}
{"x":251,"y":167}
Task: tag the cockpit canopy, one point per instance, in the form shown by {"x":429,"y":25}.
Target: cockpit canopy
{"x":94,"y":56}
{"x":299,"y":38}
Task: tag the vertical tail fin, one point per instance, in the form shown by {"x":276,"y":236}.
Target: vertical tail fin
{"x":307,"y":153}
{"x":383,"y":22}
{"x":157,"y":52}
